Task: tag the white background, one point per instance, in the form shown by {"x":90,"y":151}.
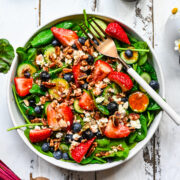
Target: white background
{"x":160,"y":159}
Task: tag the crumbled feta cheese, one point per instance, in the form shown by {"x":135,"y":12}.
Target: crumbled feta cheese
{"x":95,"y":54}
{"x":74,"y":143}
{"x":125,"y":105}
{"x":111,"y":90}
{"x":76,"y":136}
{"x":37,"y":127}
{"x":121,"y":109}
{"x":87,"y":114}
{"x":94,"y":128}
{"x":59,"y":135}
{"x":116,"y":99}
{"x":106,"y":80}
{"x":40,"y":60}
{"x":103,"y":120}
{"x":136,"y":124}
{"x":68,"y":61}
{"x":86,"y":119}
{"x":99,"y":99}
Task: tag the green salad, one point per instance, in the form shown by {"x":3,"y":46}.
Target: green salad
{"x":80,"y":106}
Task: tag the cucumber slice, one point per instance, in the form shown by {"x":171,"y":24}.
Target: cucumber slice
{"x":142,"y":59}
{"x":101,"y":23}
{"x":45,"y":107}
{"x":77,"y":108}
{"x":49,"y":51}
{"x":61,"y":84}
{"x":106,"y":94}
{"x":131,"y":60}
{"x":116,"y":88}
{"x":147,"y":78}
{"x":31,"y":69}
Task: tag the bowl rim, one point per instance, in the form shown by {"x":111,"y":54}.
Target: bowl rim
{"x":92,"y":167}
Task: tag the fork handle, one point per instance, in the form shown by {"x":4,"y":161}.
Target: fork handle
{"x":165,"y":106}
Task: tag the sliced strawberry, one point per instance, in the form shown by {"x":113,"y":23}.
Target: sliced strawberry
{"x":116,"y":31}
{"x":86,"y":102}
{"x":37,"y":135}
{"x":80,"y":151}
{"x":53,"y":114}
{"x":65,"y":36}
{"x":122,"y":79}
{"x":23,"y":85}
{"x":76,"y":73}
{"x":119,"y":131}
{"x":101,"y":70}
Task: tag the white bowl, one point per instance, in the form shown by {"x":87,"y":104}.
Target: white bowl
{"x":18,"y":119}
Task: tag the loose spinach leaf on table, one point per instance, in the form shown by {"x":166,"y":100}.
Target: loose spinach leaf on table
{"x":6,"y":55}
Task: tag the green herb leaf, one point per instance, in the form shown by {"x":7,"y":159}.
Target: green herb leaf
{"x":6,"y":55}
{"x":36,"y":90}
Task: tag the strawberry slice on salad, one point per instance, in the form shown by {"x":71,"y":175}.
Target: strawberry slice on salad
{"x":80,"y":150}
{"x":23,"y":85}
{"x":116,"y":31}
{"x":101,"y":70}
{"x":65,"y":36}
{"x":86,"y":102}
{"x":113,"y":131}
{"x":122,"y":79}
{"x":76,"y":73}
{"x":53,"y":116}
{"x":38,"y":135}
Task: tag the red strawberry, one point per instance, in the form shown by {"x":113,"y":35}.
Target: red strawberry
{"x":86,"y":102}
{"x":119,"y":131}
{"x":76,"y":73}
{"x":64,"y":111}
{"x":116,"y":31}
{"x":101,"y":70}
{"x":122,"y":79}
{"x":79,"y":151}
{"x":23,"y":85}
{"x":65,"y":36}
{"x":37,"y":135}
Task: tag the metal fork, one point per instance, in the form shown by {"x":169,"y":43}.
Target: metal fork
{"x":107,"y":47}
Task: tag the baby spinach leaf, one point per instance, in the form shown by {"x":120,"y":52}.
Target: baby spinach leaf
{"x":21,"y":51}
{"x":6,"y":55}
{"x":154,"y":107}
{"x":36,"y":90}
{"x":141,"y":134}
{"x":103,"y":142}
{"x":150,"y":117}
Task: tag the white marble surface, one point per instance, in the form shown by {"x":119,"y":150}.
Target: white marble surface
{"x":160,"y":158}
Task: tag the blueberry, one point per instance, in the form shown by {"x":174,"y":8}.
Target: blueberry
{"x":76,"y":127}
{"x":124,"y":99}
{"x":98,"y":135}
{"x":95,"y":41}
{"x":154,"y":84}
{"x":55,"y":42}
{"x":32,"y":102}
{"x":27,"y":74}
{"x":43,"y":88}
{"x":112,"y":107}
{"x":85,"y":86}
{"x":30,"y":117}
{"x":80,"y":139}
{"x":38,"y":110}
{"x":57,"y":154}
{"x":74,"y":47}
{"x":88,"y":72}
{"x":88,"y":134}
{"x":65,"y":156}
{"x":68,"y":77}
{"x":45,"y":147}
{"x":82,"y":40}
{"x":45,"y":76}
{"x":129,"y":53}
{"x":90,"y":60}
{"x":51,"y":149}
{"x":68,"y":138}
